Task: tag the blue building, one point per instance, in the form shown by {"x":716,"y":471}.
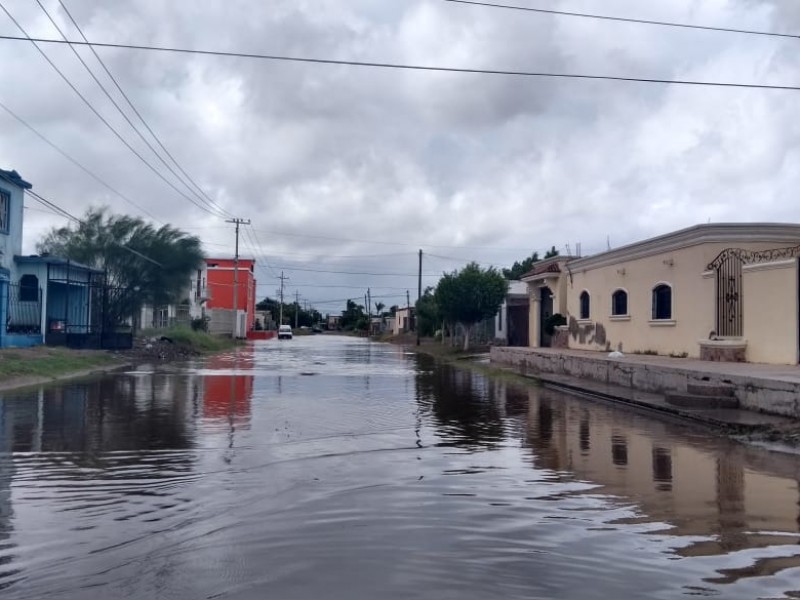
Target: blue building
{"x":42,"y":298}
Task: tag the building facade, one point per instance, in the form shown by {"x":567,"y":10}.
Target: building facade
{"x":218,"y":288}
{"x":717,"y":292}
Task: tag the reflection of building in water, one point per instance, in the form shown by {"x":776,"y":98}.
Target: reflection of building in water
{"x":227,"y":393}
{"x":121,"y":412}
{"x":703,"y":487}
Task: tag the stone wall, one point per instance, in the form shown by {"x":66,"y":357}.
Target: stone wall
{"x":754,"y":393}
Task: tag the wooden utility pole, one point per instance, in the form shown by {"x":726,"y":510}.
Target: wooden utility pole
{"x":280,"y":310}
{"x":237,"y":222}
{"x":296,"y":307}
{"x":419,"y":290}
{"x":408,"y":309}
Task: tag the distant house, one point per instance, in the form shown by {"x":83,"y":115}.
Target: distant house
{"x":42,"y":298}
{"x":726,"y":291}
{"x":219,"y":294}
{"x":511,"y":322}
{"x":403,"y":320}
{"x":334,"y":322}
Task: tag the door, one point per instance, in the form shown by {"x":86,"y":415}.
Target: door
{"x":545,"y":312}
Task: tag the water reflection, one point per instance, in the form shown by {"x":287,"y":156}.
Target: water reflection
{"x":723,"y":497}
{"x":380,"y":475}
{"x":464,"y":405}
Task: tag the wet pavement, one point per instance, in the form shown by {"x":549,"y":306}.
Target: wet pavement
{"x":332,"y":467}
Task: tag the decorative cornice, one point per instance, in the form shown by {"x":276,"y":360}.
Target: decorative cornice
{"x":726,"y":233}
{"x":754,"y":257}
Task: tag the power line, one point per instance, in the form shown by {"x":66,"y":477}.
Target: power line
{"x":209,"y":200}
{"x":412,"y":67}
{"x":114,"y":102}
{"x":288,"y":268}
{"x":564,"y":13}
{"x":95,"y":111}
{"x":77,"y":164}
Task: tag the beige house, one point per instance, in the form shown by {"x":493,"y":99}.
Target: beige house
{"x":717,"y":291}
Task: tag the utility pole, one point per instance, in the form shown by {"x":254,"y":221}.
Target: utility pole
{"x":236,"y":222}
{"x":296,"y":307}
{"x":408,"y":309}
{"x":419,"y":289}
{"x":369,"y":311}
{"x":280,"y":318}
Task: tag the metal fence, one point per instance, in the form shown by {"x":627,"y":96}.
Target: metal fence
{"x":24,"y":309}
{"x":101,"y":320}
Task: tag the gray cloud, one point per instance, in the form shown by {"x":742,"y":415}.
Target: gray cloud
{"x":467,"y":166}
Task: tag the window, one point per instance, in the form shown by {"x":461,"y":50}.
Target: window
{"x":585,"y":305}
{"x":29,"y":288}
{"x":5,"y":207}
{"x":662,"y":302}
{"x":619,"y":303}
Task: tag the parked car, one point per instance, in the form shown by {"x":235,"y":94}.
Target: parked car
{"x":285,"y":332}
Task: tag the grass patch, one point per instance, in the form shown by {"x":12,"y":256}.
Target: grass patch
{"x":187,"y":337}
{"x":456,"y":357}
{"x":49,"y":362}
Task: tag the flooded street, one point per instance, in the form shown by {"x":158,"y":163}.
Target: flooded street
{"x":332,"y":467}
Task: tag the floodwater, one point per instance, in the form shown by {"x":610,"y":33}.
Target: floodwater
{"x":331,"y":467}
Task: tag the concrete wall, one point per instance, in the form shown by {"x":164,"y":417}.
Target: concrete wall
{"x":11,"y":241}
{"x":754,"y":393}
{"x":771,"y":312}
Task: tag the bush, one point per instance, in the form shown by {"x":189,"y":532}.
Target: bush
{"x":553,"y":321}
{"x":200,"y":324}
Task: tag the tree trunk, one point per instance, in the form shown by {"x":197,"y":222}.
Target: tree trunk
{"x":444,"y":334}
{"x":467,"y":331}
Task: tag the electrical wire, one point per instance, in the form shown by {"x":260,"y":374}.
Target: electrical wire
{"x":117,"y":106}
{"x":413,"y":67}
{"x":564,"y":13}
{"x":78,"y":164}
{"x":203,"y":194}
{"x":97,"y":113}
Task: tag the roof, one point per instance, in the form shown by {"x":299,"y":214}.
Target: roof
{"x":726,"y":233}
{"x":36,"y":259}
{"x":14,"y":177}
{"x":549,"y":265}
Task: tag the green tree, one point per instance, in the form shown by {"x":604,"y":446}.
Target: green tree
{"x":429,"y":317}
{"x":354,"y":317}
{"x":470,"y":296}
{"x":518,"y":269}
{"x":306,"y":317}
{"x":379,"y":306}
{"x":152,"y":265}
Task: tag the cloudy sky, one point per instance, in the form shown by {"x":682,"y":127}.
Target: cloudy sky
{"x":353,"y":169}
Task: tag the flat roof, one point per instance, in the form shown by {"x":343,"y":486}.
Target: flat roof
{"x":53,"y":260}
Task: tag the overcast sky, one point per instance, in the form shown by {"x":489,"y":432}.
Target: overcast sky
{"x":344,"y":168}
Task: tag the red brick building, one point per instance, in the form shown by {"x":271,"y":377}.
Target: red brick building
{"x":219,"y":281}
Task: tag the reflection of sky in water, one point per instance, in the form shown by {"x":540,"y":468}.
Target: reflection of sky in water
{"x":333,"y":467}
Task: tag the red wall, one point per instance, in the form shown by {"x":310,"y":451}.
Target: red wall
{"x":219,"y":280}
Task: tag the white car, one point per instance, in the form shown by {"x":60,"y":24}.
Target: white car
{"x":285,"y":332}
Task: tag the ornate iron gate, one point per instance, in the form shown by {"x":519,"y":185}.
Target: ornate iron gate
{"x":729,"y":296}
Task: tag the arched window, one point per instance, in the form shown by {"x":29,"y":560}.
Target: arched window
{"x":29,"y":288}
{"x":585,"y":305}
{"x":662,"y":302}
{"x":619,"y":303}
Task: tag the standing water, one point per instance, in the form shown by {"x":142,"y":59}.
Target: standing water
{"x":331,"y":467}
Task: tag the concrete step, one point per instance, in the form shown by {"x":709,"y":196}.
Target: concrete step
{"x":701,"y":401}
{"x":711,"y":389}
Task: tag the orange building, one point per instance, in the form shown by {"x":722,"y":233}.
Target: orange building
{"x":219,"y":281}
